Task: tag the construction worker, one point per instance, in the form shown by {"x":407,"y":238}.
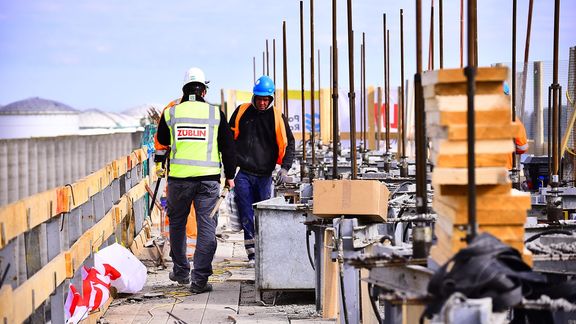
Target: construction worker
{"x":520,"y":140}
{"x":200,"y":142}
{"x":263,"y":139}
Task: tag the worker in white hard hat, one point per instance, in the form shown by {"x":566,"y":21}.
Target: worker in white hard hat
{"x":200,"y":143}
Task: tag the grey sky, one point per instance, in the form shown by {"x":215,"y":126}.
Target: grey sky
{"x":114,"y":55}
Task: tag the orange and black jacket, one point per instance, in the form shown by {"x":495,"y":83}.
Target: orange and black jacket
{"x":257,"y":141}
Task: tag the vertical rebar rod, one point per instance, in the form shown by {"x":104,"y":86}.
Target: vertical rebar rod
{"x":513,"y":87}
{"x":361,"y":96}
{"x":402,"y":118}
{"x":335,"y":128}
{"x":303,"y":113}
{"x":352,"y":94}
{"x":378,"y":113}
{"x":441,"y":32}
{"x":420,"y":119}
{"x":388,"y":108}
{"x":431,"y":40}
{"x":267,"y":60}
{"x":386,"y":112}
{"x":312,"y":108}
{"x":274,"y":63}
{"x":470,"y":72}
{"x":285,"y":69}
{"x":526,"y":56}
{"x":319,"y":96}
{"x":461,"y":33}
{"x":264,"y":63}
{"x":555,"y":94}
{"x":364,"y":95}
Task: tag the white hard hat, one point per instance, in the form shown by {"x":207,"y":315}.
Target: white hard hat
{"x":195,"y":75}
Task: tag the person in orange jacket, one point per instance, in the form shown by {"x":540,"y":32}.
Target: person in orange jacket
{"x":521,"y":140}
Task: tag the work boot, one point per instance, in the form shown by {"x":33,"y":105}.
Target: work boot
{"x":198,"y":289}
{"x":180,"y":280}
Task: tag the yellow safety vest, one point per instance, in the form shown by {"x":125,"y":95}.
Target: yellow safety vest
{"x":194,"y":139}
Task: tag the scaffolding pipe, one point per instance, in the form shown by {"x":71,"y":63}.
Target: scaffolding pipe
{"x":303,"y":114}
{"x":312,"y":108}
{"x":335,"y":139}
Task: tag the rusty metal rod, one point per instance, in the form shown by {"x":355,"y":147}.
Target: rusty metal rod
{"x":555,"y":97}
{"x":389,"y":104}
{"x":461,"y":33}
{"x":402,"y":118}
{"x":384,"y":88}
{"x":431,"y":40}
{"x":267,"y":60}
{"x":526,"y":55}
{"x":420,"y":120}
{"x":364,"y":110}
{"x":335,"y":128}
{"x":303,"y":113}
{"x":470,"y":72}
{"x":274,"y":63}
{"x":441,"y":32}
{"x":319,"y":94}
{"x":285,"y":68}
{"x":513,"y":87}
{"x":312,"y":108}
{"x":352,"y":94}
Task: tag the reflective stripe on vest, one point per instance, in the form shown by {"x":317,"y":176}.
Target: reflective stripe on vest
{"x":280,"y":128}
{"x":194,"y":148}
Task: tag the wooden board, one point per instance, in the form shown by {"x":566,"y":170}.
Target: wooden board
{"x":443,"y":146}
{"x":488,"y":117}
{"x":485,"y":217}
{"x":481,"y":131}
{"x":514,"y":200}
{"x":459,"y":176}
{"x":455,"y":89}
{"x":509,"y":234}
{"x":330,"y":282}
{"x":461,"y":160}
{"x":462,"y":190}
{"x":457,"y":75}
{"x":34,"y":291}
{"x":491,"y":102}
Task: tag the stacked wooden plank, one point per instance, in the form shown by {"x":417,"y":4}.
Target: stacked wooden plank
{"x":501,"y":210}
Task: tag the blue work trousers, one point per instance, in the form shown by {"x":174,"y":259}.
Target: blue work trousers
{"x":250,"y":189}
{"x":181,"y":194}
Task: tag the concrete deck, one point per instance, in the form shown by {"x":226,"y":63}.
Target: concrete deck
{"x":232,"y":300}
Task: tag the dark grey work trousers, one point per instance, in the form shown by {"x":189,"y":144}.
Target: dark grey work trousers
{"x":181,"y":194}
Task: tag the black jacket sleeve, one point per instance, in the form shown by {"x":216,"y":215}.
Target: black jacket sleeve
{"x":226,"y":147}
{"x":290,"y":149}
{"x":163,"y":132}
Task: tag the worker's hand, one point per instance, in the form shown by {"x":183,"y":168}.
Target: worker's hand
{"x":160,"y":171}
{"x":230,"y":183}
{"x":281,"y":176}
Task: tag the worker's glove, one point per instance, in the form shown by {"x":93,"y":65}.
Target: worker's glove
{"x":281,"y":176}
{"x":160,"y":171}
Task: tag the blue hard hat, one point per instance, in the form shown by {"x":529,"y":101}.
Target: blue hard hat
{"x":264,"y":87}
{"x":506,"y":88}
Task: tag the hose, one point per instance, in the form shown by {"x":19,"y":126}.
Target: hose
{"x":373,"y":303}
{"x":552,"y":231}
{"x":308,"y":248}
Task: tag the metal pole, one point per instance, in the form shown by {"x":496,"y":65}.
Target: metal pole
{"x":264,"y":63}
{"x":335,"y":139}
{"x":431,"y":41}
{"x":441,"y":32}
{"x":319,"y":94}
{"x":312,"y":108}
{"x":470,"y":72}
{"x":285,"y":68}
{"x":526,"y":55}
{"x":303,"y":114}
{"x":515,"y":176}
{"x":351,"y":94}
{"x":267,"y":60}
{"x":461,"y":33}
{"x":274,"y":64}
{"x":420,"y":120}
{"x":555,"y":93}
{"x":364,"y":112}
{"x":402,"y":118}
{"x":386,"y":111}
{"x":388,"y":90}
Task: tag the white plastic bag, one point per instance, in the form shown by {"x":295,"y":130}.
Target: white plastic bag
{"x":232,"y":211}
{"x":132,"y":271}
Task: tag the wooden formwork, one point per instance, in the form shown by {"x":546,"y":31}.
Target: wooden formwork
{"x":47,"y":238}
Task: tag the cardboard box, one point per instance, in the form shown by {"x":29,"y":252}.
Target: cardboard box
{"x":365,"y":199}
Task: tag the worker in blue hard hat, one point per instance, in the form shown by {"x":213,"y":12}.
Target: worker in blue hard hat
{"x":520,"y":140}
{"x":263,"y":140}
